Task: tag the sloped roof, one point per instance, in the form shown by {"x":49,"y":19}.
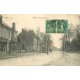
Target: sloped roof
{"x":4,"y":25}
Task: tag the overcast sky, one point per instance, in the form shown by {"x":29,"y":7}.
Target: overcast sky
{"x":38,"y":20}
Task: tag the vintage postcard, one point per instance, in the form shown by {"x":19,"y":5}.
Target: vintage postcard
{"x":39,"y":40}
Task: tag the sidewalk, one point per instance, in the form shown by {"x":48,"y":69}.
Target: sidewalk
{"x":4,"y":55}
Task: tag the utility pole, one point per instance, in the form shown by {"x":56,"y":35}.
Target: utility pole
{"x":37,"y":48}
{"x":47,"y":44}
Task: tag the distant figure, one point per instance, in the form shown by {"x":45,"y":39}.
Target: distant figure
{"x":50,"y":50}
{"x":33,"y":50}
{"x":65,"y":55}
{"x":42,"y":49}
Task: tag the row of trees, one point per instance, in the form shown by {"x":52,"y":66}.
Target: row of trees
{"x":71,"y":39}
{"x":28,"y":40}
{"x":46,"y":43}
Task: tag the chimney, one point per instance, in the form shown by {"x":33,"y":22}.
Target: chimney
{"x":13,"y":25}
{"x":0,"y":18}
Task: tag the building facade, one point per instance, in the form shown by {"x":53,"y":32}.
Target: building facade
{"x":8,"y":36}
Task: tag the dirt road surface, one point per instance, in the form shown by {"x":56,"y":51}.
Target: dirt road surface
{"x":56,"y":58}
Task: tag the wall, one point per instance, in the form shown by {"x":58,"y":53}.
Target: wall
{"x":5,"y":33}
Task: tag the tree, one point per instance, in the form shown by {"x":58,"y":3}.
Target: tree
{"x":66,"y":39}
{"x":71,"y":40}
{"x":46,"y":42}
{"x":26,"y":38}
{"x":76,"y":39}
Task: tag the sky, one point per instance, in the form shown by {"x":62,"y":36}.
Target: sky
{"x":33,"y":21}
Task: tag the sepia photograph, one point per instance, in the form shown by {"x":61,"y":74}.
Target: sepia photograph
{"x":39,"y":39}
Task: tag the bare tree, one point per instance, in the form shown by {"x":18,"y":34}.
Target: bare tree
{"x":66,"y":39}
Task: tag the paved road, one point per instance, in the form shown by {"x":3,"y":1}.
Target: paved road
{"x":56,"y":58}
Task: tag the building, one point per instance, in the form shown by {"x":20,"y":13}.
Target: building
{"x":8,"y":36}
{"x":28,"y":41}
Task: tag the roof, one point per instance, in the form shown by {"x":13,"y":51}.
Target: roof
{"x":4,"y":25}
